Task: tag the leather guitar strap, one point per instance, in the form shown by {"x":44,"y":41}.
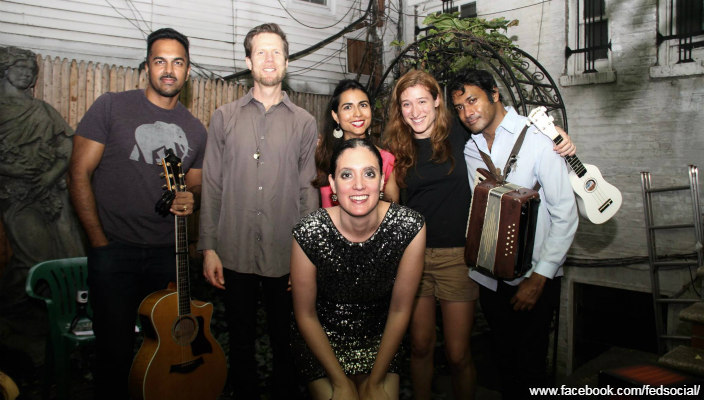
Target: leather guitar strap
{"x":501,"y":178}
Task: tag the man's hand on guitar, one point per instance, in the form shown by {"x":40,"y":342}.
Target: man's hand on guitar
{"x":529,"y":292}
{"x":212,"y":269}
{"x":183,"y":204}
{"x":566,"y":147}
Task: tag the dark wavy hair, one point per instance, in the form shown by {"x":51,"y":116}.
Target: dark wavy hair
{"x":399,"y":136}
{"x":480,"y":78}
{"x":264,"y":28}
{"x":168,"y":33}
{"x":351,"y":144}
{"x":323,"y":152}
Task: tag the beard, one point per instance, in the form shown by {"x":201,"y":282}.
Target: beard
{"x":168,"y":91}
{"x":478,"y":126}
{"x":269,"y":80}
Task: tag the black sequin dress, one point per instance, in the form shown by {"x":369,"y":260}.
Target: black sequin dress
{"x":354,"y":283}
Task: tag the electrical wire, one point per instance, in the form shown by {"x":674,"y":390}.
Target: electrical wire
{"x":326,"y":58}
{"x":337,"y":53}
{"x":127,"y":18}
{"x":540,"y":30}
{"x":316,"y":46}
{"x":401,"y":13}
{"x":137,"y":14}
{"x":205,"y":71}
{"x":135,"y":22}
{"x":314,"y":27}
{"x":397,"y":10}
{"x":514,"y":9}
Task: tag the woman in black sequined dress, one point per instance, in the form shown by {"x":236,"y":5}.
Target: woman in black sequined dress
{"x":355,"y":269}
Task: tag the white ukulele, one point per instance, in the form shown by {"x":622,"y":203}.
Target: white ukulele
{"x":597,"y":199}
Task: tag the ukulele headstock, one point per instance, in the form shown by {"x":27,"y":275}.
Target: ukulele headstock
{"x":544,"y":122}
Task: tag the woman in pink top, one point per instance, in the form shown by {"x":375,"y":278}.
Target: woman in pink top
{"x":351,"y":112}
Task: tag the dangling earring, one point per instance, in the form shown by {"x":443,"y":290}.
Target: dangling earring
{"x":333,"y":197}
{"x":381,"y":195}
{"x":337,"y":133}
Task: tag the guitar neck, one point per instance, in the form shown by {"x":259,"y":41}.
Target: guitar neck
{"x":573,"y":161}
{"x":182,"y":278}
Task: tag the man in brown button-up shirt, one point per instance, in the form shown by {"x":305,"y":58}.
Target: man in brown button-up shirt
{"x":257,"y":173}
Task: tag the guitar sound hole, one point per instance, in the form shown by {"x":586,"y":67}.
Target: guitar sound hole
{"x":590,"y":185}
{"x":185,"y":330}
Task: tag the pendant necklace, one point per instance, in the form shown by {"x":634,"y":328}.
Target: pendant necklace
{"x":257,"y":154}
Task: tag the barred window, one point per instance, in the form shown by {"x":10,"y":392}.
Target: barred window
{"x":468,"y":10}
{"x":680,"y":38}
{"x":588,"y":49}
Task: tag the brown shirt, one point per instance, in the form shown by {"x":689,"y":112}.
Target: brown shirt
{"x":256,"y":183}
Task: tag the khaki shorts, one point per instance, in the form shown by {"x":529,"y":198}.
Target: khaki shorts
{"x":445,"y":276}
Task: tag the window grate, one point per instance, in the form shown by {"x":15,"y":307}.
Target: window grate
{"x":592,"y":33}
{"x":448,"y":7}
{"x":686,"y":22}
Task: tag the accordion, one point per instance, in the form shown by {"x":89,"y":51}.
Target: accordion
{"x":501,"y":228}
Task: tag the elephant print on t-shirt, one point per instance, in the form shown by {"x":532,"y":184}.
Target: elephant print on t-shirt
{"x":152,"y":140}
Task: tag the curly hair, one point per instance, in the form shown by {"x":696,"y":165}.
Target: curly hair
{"x":11,"y":55}
{"x":327,"y":143}
{"x":475,"y":77}
{"x":399,"y":135}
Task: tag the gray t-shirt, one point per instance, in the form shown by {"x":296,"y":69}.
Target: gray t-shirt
{"x":127,"y":182}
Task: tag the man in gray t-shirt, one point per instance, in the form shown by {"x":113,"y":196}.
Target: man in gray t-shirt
{"x":114,"y":187}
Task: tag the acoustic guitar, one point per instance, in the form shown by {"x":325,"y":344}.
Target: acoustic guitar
{"x":179,"y":359}
{"x":597,"y":200}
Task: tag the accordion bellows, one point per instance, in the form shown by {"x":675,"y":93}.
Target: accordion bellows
{"x":501,"y":228}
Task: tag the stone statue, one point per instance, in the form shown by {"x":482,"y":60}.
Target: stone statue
{"x":35,"y":146}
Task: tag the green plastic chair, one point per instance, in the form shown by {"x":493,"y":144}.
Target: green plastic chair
{"x":64,"y":278}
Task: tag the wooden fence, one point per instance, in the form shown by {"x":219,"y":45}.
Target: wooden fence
{"x":71,"y":87}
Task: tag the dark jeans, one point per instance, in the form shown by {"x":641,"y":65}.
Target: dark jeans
{"x":120,"y":276}
{"x":241,"y":298}
{"x":520,"y":338}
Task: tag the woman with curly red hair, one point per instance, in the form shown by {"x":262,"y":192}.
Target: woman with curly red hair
{"x":430,"y":165}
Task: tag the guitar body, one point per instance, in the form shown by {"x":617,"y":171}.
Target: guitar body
{"x":597,"y":200}
{"x":179,"y":359}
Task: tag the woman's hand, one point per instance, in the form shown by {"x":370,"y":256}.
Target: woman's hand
{"x":344,"y":390}
{"x":370,"y":391}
